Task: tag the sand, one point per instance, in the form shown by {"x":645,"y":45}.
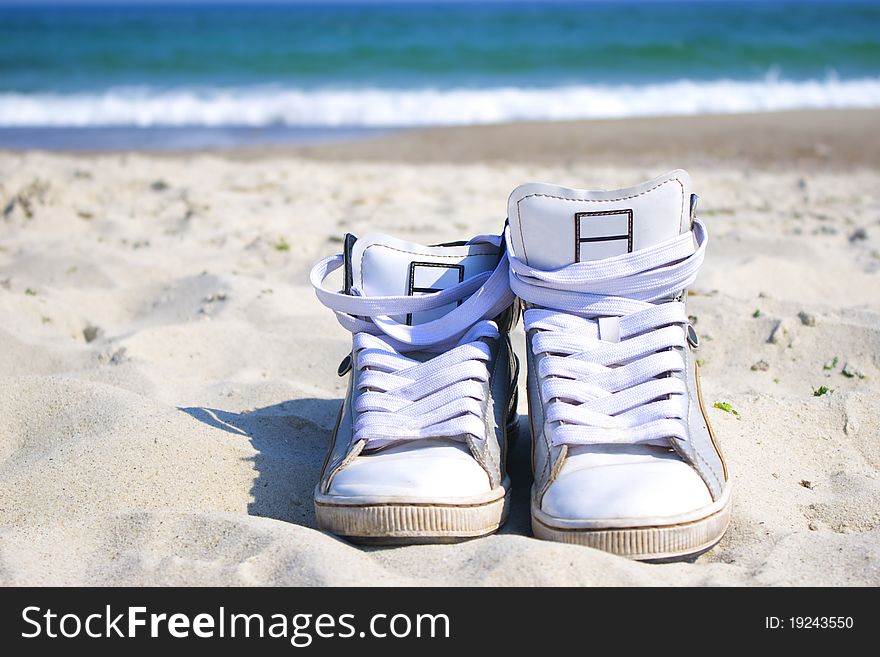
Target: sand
{"x":168,"y":380}
{"x":840,"y":139}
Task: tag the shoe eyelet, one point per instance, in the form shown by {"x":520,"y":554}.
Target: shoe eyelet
{"x":692,"y":337}
{"x":345,"y":366}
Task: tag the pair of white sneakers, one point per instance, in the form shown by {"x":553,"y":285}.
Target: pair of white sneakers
{"x":623,"y":457}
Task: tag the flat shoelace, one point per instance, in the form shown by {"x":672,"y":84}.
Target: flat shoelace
{"x":622,"y":392}
{"x":403,"y":398}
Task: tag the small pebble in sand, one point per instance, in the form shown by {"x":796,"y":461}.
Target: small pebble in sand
{"x":858,"y":235}
{"x":159,"y":185}
{"x":813,"y":527}
{"x":92,"y":333}
{"x":761,"y":366}
{"x":807,"y":319}
{"x":806,"y":483}
{"x":113,"y":357}
{"x":218,"y":296}
{"x":779,"y":334}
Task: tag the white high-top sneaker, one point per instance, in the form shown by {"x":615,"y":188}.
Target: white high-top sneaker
{"x":624,"y":459}
{"x":418,"y":453}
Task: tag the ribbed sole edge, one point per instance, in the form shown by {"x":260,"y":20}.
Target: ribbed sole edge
{"x":663,"y":542}
{"x":412,"y":523}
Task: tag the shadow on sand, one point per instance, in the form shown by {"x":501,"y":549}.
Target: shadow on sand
{"x":291,"y":439}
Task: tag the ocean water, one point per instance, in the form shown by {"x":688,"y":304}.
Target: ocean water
{"x":177,"y":75}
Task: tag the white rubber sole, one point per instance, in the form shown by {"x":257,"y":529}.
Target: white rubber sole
{"x":665,"y":539}
{"x":390,"y":522}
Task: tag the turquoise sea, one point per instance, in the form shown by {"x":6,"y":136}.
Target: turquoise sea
{"x":179,"y":74}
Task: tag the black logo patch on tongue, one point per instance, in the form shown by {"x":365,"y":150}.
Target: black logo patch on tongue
{"x":604,"y":234}
{"x":427,"y":277}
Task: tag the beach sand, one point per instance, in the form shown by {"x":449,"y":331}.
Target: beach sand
{"x":168,"y":379}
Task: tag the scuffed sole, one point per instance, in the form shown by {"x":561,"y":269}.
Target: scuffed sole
{"x":656,"y":543}
{"x":407,"y":523}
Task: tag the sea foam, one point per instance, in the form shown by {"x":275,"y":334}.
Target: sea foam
{"x":386,"y":107}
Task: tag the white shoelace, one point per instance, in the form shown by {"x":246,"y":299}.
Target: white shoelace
{"x":605,"y":392}
{"x":403,"y":398}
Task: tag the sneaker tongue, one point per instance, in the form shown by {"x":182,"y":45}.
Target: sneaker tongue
{"x":379,"y":265}
{"x":551,"y":226}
